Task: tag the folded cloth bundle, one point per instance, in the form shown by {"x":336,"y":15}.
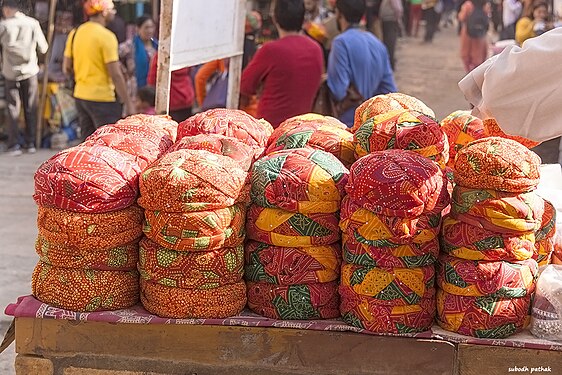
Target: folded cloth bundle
{"x":316,"y":131}
{"x":197,"y":230}
{"x":88,"y":178}
{"x":461,"y":128}
{"x":119,"y":258}
{"x":493,"y":129}
{"x":90,"y":231}
{"x":484,"y":317}
{"x":497,"y":211}
{"x":496,"y":279}
{"x":498,"y":164}
{"x":397,"y":183}
{"x":467,"y":241}
{"x":544,"y":245}
{"x":189,"y":270}
{"x":220,"y":145}
{"x":216,"y":303}
{"x":301,"y":180}
{"x":85,"y":290}
{"x":546,"y":321}
{"x":292,"y":265}
{"x":291,"y":229}
{"x":404,"y":130}
{"x":394,"y":286}
{"x":149,"y":126}
{"x":367,"y":313}
{"x":192,"y":180}
{"x":380,"y":104}
{"x":294,"y":302}
{"x":380,"y":230}
{"x":231,"y":123}
{"x":410,"y":255}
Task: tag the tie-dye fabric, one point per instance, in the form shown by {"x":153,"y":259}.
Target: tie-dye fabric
{"x":367,"y":313}
{"x":497,"y":279}
{"x":475,"y":243}
{"x":493,"y":129}
{"x":291,"y":229}
{"x":543,"y":251}
{"x":88,"y":178}
{"x":231,"y":123}
{"x":410,"y":255}
{"x":197,"y":230}
{"x":193,"y":180}
{"x":381,"y":104}
{"x":294,"y":302}
{"x":497,"y":164}
{"x":483,"y":317}
{"x":119,"y":258}
{"x":544,"y":245}
{"x":316,"y":131}
{"x":395,"y":287}
{"x":187,"y":270}
{"x":397,"y":183}
{"x":85,"y":290}
{"x":220,"y":145}
{"x":461,"y":128}
{"x":404,"y":130}
{"x":216,"y":303}
{"x":498,"y":211}
{"x":301,"y":180}
{"x":291,"y":265}
{"x":90,"y":231}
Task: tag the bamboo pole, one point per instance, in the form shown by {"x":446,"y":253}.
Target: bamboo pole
{"x":163,"y":75}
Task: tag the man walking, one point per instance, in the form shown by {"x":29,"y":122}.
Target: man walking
{"x":92,"y":54}
{"x":21,"y":38}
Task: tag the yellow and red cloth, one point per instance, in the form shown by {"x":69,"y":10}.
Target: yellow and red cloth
{"x":545,"y":241}
{"x":493,"y":129}
{"x":461,"y":128}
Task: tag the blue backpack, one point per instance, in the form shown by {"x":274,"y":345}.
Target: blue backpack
{"x":477,"y":23}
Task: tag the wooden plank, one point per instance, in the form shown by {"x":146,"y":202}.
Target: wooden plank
{"x":231,"y":349}
{"x":164,"y":75}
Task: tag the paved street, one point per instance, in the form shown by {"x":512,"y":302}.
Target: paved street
{"x":429,"y":72}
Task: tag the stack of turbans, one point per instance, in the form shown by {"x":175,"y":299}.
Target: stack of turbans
{"x":461,"y":128}
{"x":390,"y":221}
{"x":312,"y":130}
{"x":293,"y":258}
{"x":89,"y":225}
{"x":195,"y":199}
{"x":486,"y":274}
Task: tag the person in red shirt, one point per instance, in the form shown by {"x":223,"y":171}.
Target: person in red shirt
{"x":182,"y":92}
{"x":289,"y":70}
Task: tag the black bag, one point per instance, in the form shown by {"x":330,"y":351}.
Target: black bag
{"x":477,"y":23}
{"x":70,"y":82}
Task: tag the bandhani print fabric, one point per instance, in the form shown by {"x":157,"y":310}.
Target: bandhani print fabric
{"x":543,"y":251}
{"x":471,"y":242}
{"x":498,"y":279}
{"x":381,"y":104}
{"x":545,"y":241}
{"x":461,"y":128}
{"x":397,"y":183}
{"x":220,"y":145}
{"x":404,"y":130}
{"x":493,"y":129}
{"x":179,"y":303}
{"x":367,"y":313}
{"x":149,"y":126}
{"x":497,"y":164}
{"x":395,"y":287}
{"x":192,"y":180}
{"x":316,"y":131}
{"x":203,"y":270}
{"x":294,"y":302}
{"x":483,"y":317}
{"x":90,"y":231}
{"x":291,"y":229}
{"x":301,"y":180}
{"x":291,"y":265}
{"x":88,"y":179}
{"x":119,"y":258}
{"x":410,"y":255}
{"x":231,"y":123}
{"x":496,"y":210}
{"x":85,"y":290}
{"x":197,"y":230}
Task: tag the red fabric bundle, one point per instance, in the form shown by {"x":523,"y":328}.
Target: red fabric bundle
{"x":461,"y":128}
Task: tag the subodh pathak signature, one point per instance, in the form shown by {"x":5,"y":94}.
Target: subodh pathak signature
{"x":530,"y":369}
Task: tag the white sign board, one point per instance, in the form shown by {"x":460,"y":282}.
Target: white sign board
{"x":206,"y":30}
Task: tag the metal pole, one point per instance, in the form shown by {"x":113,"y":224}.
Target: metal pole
{"x":163,"y":75}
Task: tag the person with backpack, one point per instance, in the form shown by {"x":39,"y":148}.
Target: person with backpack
{"x":474,"y":17}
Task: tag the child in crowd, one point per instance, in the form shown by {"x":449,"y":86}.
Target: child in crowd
{"x":146,"y":100}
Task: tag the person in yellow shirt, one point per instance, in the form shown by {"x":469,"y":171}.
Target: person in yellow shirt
{"x":91,"y":52}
